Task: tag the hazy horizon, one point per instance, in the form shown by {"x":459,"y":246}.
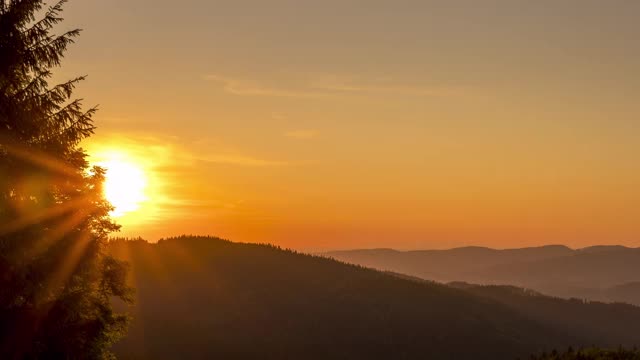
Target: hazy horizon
{"x":332,"y":125}
{"x":320,"y":250}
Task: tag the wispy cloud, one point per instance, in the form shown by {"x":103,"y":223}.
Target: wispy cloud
{"x":345,"y":84}
{"x":242,"y":160}
{"x":278,"y":116}
{"x":251,"y":88}
{"x":164,"y":149}
{"x":301,"y":134}
{"x":334,"y":85}
{"x":175,"y":173}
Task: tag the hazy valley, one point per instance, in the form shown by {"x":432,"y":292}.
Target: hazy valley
{"x":604,"y":273}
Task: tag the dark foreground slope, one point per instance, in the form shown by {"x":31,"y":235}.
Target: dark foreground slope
{"x":575,"y":315}
{"x":204,"y":298}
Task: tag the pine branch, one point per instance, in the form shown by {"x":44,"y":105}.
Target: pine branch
{"x":50,"y":18}
{"x":22,"y":12}
{"x":35,"y":86}
{"x":49,"y":54}
{"x":78,"y":125}
{"x":65,"y":90}
{"x":50,"y":41}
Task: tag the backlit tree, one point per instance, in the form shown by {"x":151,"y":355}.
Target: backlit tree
{"x":56,"y":280}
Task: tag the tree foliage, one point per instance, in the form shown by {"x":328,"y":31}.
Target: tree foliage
{"x":56,"y":280}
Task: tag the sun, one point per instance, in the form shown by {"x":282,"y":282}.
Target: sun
{"x":124,"y":186}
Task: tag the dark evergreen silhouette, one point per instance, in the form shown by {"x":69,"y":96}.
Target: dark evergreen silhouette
{"x":56,"y":280}
{"x":210,"y":298}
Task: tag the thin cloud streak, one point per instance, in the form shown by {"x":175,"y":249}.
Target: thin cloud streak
{"x":239,"y":160}
{"x":250,"y":88}
{"x":331,"y":85}
{"x":352,"y":85}
{"x":166,"y":165}
{"x":164,"y":150}
{"x":301,"y":134}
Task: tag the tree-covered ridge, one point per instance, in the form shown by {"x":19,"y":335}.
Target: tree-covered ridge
{"x":251,"y":301}
{"x":575,"y":315}
{"x":601,"y":273}
{"x":590,"y":354}
{"x":56,"y":278}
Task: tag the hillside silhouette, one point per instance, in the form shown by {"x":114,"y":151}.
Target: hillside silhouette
{"x":590,"y":354}
{"x":603,"y":273}
{"x":600,"y":320}
{"x":206,"y":297}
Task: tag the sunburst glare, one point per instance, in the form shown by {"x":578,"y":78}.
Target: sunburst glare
{"x":124,"y":186}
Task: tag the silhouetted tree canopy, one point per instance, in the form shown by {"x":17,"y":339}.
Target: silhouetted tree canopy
{"x":56,"y":280}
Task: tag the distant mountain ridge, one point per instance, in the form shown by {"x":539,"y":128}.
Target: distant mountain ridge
{"x":598,"y":272}
{"x":210,"y":298}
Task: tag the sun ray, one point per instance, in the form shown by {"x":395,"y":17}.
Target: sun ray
{"x":62,"y":229}
{"x":39,"y":216}
{"x":64,"y":271}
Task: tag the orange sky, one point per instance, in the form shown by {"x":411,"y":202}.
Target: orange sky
{"x":341,"y":124}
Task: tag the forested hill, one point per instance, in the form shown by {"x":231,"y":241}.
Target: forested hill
{"x":604,"y":273}
{"x":209,"y":298}
{"x":600,"y":319}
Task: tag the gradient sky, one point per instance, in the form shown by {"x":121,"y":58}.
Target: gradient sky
{"x":341,"y":124}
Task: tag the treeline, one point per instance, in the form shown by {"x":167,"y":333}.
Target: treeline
{"x":590,"y":354}
{"x":118,"y":239}
{"x":601,"y":273}
{"x":597,"y":319}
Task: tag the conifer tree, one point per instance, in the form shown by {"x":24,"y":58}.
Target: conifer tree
{"x":56,"y":279}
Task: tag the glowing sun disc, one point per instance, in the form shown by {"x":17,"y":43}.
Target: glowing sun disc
{"x":124,"y":186}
